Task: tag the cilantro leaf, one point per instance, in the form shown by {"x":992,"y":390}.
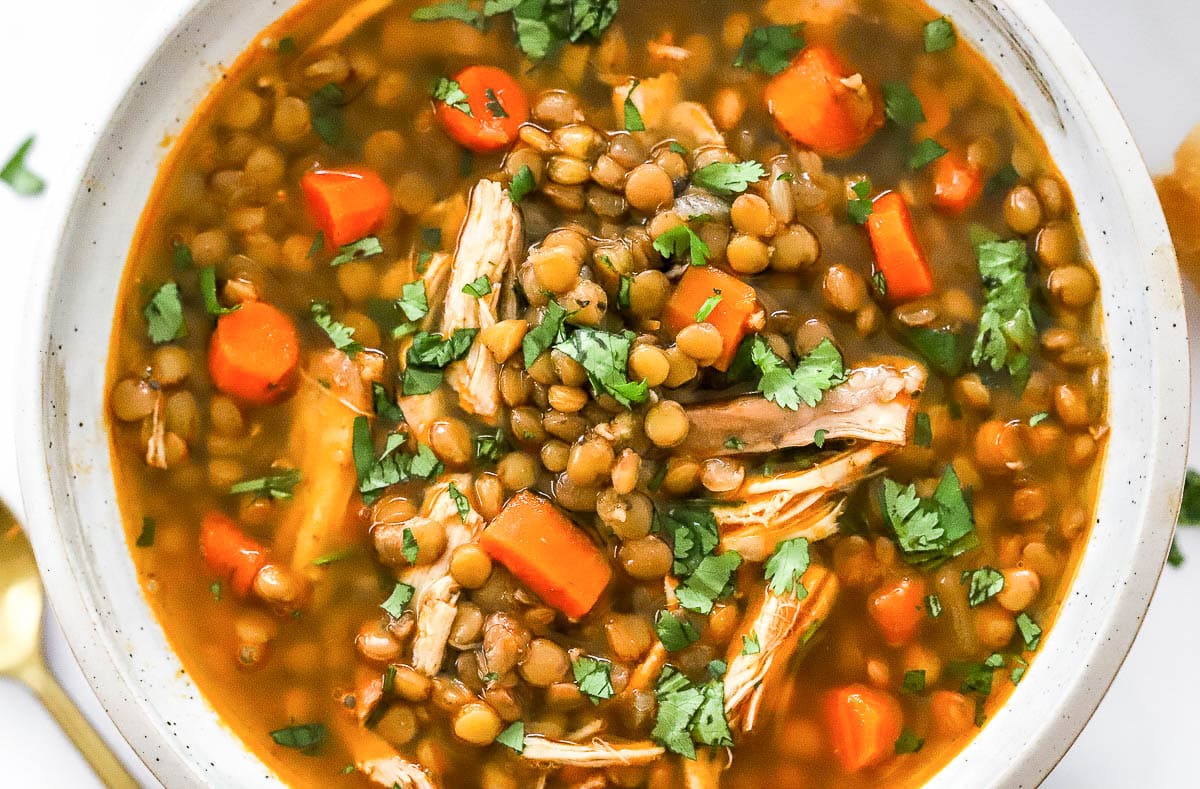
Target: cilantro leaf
{"x":678,"y":702}
{"x":710,"y":727}
{"x":493,"y":104}
{"x":933,"y":604}
{"x":400,"y":597}
{"x":770,"y":48}
{"x":734,"y":443}
{"x":164,"y":315}
{"x":680,"y":242}
{"x":901,"y":105}
{"x":943,"y":349}
{"x":413,"y":301}
{"x":818,"y":372}
{"x":434,"y":350}
{"x":145,"y":539}
{"x":453,"y":9}
{"x":540,"y":338}
{"x":922,"y":430}
{"x":461,"y":503}
{"x":276,"y":486}
{"x":926,"y":152}
{"x":341,"y":335}
{"x":728,"y":178}
{"x":1038,"y":418}
{"x":363,"y":248}
{"x":420,"y":380}
{"x":479,"y":288}
{"x":861,"y":206}
{"x":908,"y":742}
{"x":930,"y":531}
{"x":208,"y":292}
{"x":624,"y":286}
{"x":708,"y":582}
{"x":939,"y":35}
{"x":409,"y":548}
{"x":546,"y":25}
{"x":385,"y":406}
{"x":490,"y":447}
{"x":983,"y":584}
{"x":450,"y":93}
{"x":303,"y":737}
{"x":1031,"y":631}
{"x":914,"y":681}
{"x":819,"y":438}
{"x":1007,"y":334}
{"x":708,"y":306}
{"x":1189,"y":508}
{"x":513,"y":737}
{"x":750,"y":645}
{"x":633,"y":117}
{"x":181,"y":256}
{"x":605,"y":357}
{"x":594,"y":677}
{"x":786,"y":566}
{"x":325,"y":111}
{"x":393,"y":466}
{"x":693,"y":532}
{"x":674,"y":632}
{"x":17,"y":174}
{"x":522,"y":184}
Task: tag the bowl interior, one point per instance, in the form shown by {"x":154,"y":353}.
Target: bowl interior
{"x":67,"y":478}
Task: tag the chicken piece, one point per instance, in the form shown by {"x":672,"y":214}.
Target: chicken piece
{"x":156,"y":445}
{"x":874,"y":404}
{"x":320,"y":447}
{"x":437,"y":278}
{"x":354,"y":17}
{"x":691,"y":124}
{"x":490,"y":245}
{"x":781,"y":623}
{"x":376,"y":759}
{"x":421,"y":411}
{"x":795,"y":504}
{"x":435,"y":592}
{"x":598,"y":753}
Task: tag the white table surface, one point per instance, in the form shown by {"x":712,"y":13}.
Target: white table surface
{"x":1144,"y":733}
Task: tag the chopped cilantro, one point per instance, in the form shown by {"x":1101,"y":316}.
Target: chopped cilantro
{"x":943,"y":349}
{"x":675,"y":632}
{"x":1031,"y":631}
{"x":330,"y":558}
{"x":675,"y":147}
{"x":434,"y":350}
{"x":786,"y":566}
{"x":164,"y":315}
{"x":680,"y":242}
{"x":208,"y":291}
{"x":479,"y":287}
{"x":275,"y":486}
{"x":490,"y":447}
{"x":930,"y":531}
{"x":1189,"y":508}
{"x":392,"y":467}
{"x":633,"y":117}
{"x":17,"y":174}
{"x":420,"y":380}
{"x":708,"y":306}
{"x":461,"y":503}
{"x":983,"y":584}
{"x":819,"y":438}
{"x":385,"y":406}
{"x":146,"y":538}
{"x":708,"y":582}
{"x":1005,"y":178}
{"x":522,"y":184}
{"x":542,"y":337}
{"x":413,"y":301}
{"x":770,"y":48}
{"x":1018,"y":670}
{"x":914,"y":681}
{"x":933,"y":604}
{"x":181,"y":256}
{"x":325,"y":111}
{"x":544,"y":26}
{"x":624,"y":285}
{"x":318,"y":243}
{"x":901,"y":105}
{"x":925,"y":153}
{"x":401,"y":594}
{"x":816,"y":373}
{"x":879,"y":280}
{"x":908,"y":742}
{"x":939,"y":35}
{"x":493,"y":104}
{"x":363,"y":248}
{"x":513,"y":737}
{"x":750,"y":645}
{"x":409,"y":548}
{"x":303,"y":737}
{"x":452,"y":9}
{"x":450,"y":93}
{"x":1007,"y":334}
{"x":605,"y":357}
{"x":717,"y":668}
{"x":861,"y":207}
{"x":341,"y":335}
{"x":1038,"y":418}
{"x":922,"y":430}
{"x":734,"y":443}
{"x":593,"y":676}
{"x":689,"y":713}
{"x":728,"y":178}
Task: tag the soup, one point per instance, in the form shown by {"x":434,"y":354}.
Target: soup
{"x":573,"y":395}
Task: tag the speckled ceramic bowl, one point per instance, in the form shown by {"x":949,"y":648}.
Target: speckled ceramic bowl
{"x":67,"y":478}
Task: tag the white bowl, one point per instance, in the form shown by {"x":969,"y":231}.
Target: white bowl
{"x":67,"y":478}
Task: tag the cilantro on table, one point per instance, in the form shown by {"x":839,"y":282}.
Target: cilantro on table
{"x":275,"y":486}
{"x":914,"y":681}
{"x":363,"y":248}
{"x":689,"y":714}
{"x":450,"y":93}
{"x":145,"y":538}
{"x":1007,"y":334}
{"x":682,"y":242}
{"x":341,"y":335}
{"x":861,"y":206}
{"x":675,"y":632}
{"x":479,"y":287}
{"x":461,"y":503}
{"x":1031,"y":631}
{"x":1175,"y":556}
{"x":408,"y":546}
{"x":1189,"y":507}
{"x":325,"y":111}
{"x":593,"y":676}
{"x":392,"y":466}
{"x":545,"y":335}
{"x":429,"y":354}
{"x":541,"y":26}
{"x":385,"y":405}
{"x":513,"y":737}
{"x":926,"y":152}
{"x":164,"y":315}
{"x":303,"y":737}
{"x":208,"y":291}
{"x":901,"y":106}
{"x":939,"y":35}
{"x":17,"y":174}
{"x":522,"y":184}
{"x":943,"y":349}
{"x":400,"y":597}
{"x":982,"y":585}
{"x":908,"y":742}
{"x":816,"y":373}
{"x":605,"y":357}
{"x":786,"y":566}
{"x":728,"y":178}
{"x":922,"y":430}
{"x":750,"y":644}
{"x":930,"y":531}
{"x":770,"y":48}
{"x":633,"y":116}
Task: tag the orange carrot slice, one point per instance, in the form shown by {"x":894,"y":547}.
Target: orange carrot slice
{"x":346,"y":205}
{"x":229,"y":553}
{"x":731,"y":316}
{"x":898,"y":610}
{"x":863,"y":725}
{"x":820,"y":104}
{"x":898,"y":254}
{"x":253,"y":353}
{"x":498,"y":108}
{"x":956,"y":184}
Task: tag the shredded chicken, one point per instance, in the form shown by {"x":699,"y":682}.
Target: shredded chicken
{"x":156,"y":445}
{"x":490,"y":246}
{"x":435,"y":591}
{"x":781,"y":624}
{"x":596,"y":754}
{"x":874,"y":404}
{"x":376,"y":759}
{"x":320,"y":447}
{"x":795,"y":504}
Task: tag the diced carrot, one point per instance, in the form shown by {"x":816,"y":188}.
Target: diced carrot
{"x":864,"y":724}
{"x":898,"y":254}
{"x":956,"y":184}
{"x":548,"y":553}
{"x":346,"y":205}
{"x":952,"y":714}
{"x":498,"y":109}
{"x":253,"y":353}
{"x":821,"y":104}
{"x":229,"y":553}
{"x":935,"y":104}
{"x":731,"y":316}
{"x":897,"y":608}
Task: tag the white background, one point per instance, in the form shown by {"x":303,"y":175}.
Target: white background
{"x":56,"y":55}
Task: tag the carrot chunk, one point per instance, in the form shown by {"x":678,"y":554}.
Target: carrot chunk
{"x":820,"y":104}
{"x":898,"y":610}
{"x":863,"y":725}
{"x":898,"y":254}
{"x":731,"y":315}
{"x":547,"y":553}
{"x":498,"y":107}
{"x":956,"y":184}
{"x":346,"y":205}
{"x":229,"y":553}
{"x":253,"y":353}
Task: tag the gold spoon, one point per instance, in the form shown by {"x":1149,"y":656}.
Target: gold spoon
{"x":21,"y":601}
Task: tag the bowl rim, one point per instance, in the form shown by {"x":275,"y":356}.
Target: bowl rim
{"x":1108,"y":648}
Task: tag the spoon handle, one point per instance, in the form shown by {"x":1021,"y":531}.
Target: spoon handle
{"x":108,"y":768}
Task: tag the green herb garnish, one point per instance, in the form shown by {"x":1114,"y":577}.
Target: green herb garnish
{"x":341,"y":335}
{"x":164,"y":315}
{"x":452,"y":95}
{"x":930,"y":531}
{"x":522,"y":184}
{"x":939,"y":35}
{"x":275,"y":486}
{"x":363,"y":248}
{"x":728,"y":178}
{"x":16,"y":172}
{"x":682,"y":242}
{"x":400,"y":597}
